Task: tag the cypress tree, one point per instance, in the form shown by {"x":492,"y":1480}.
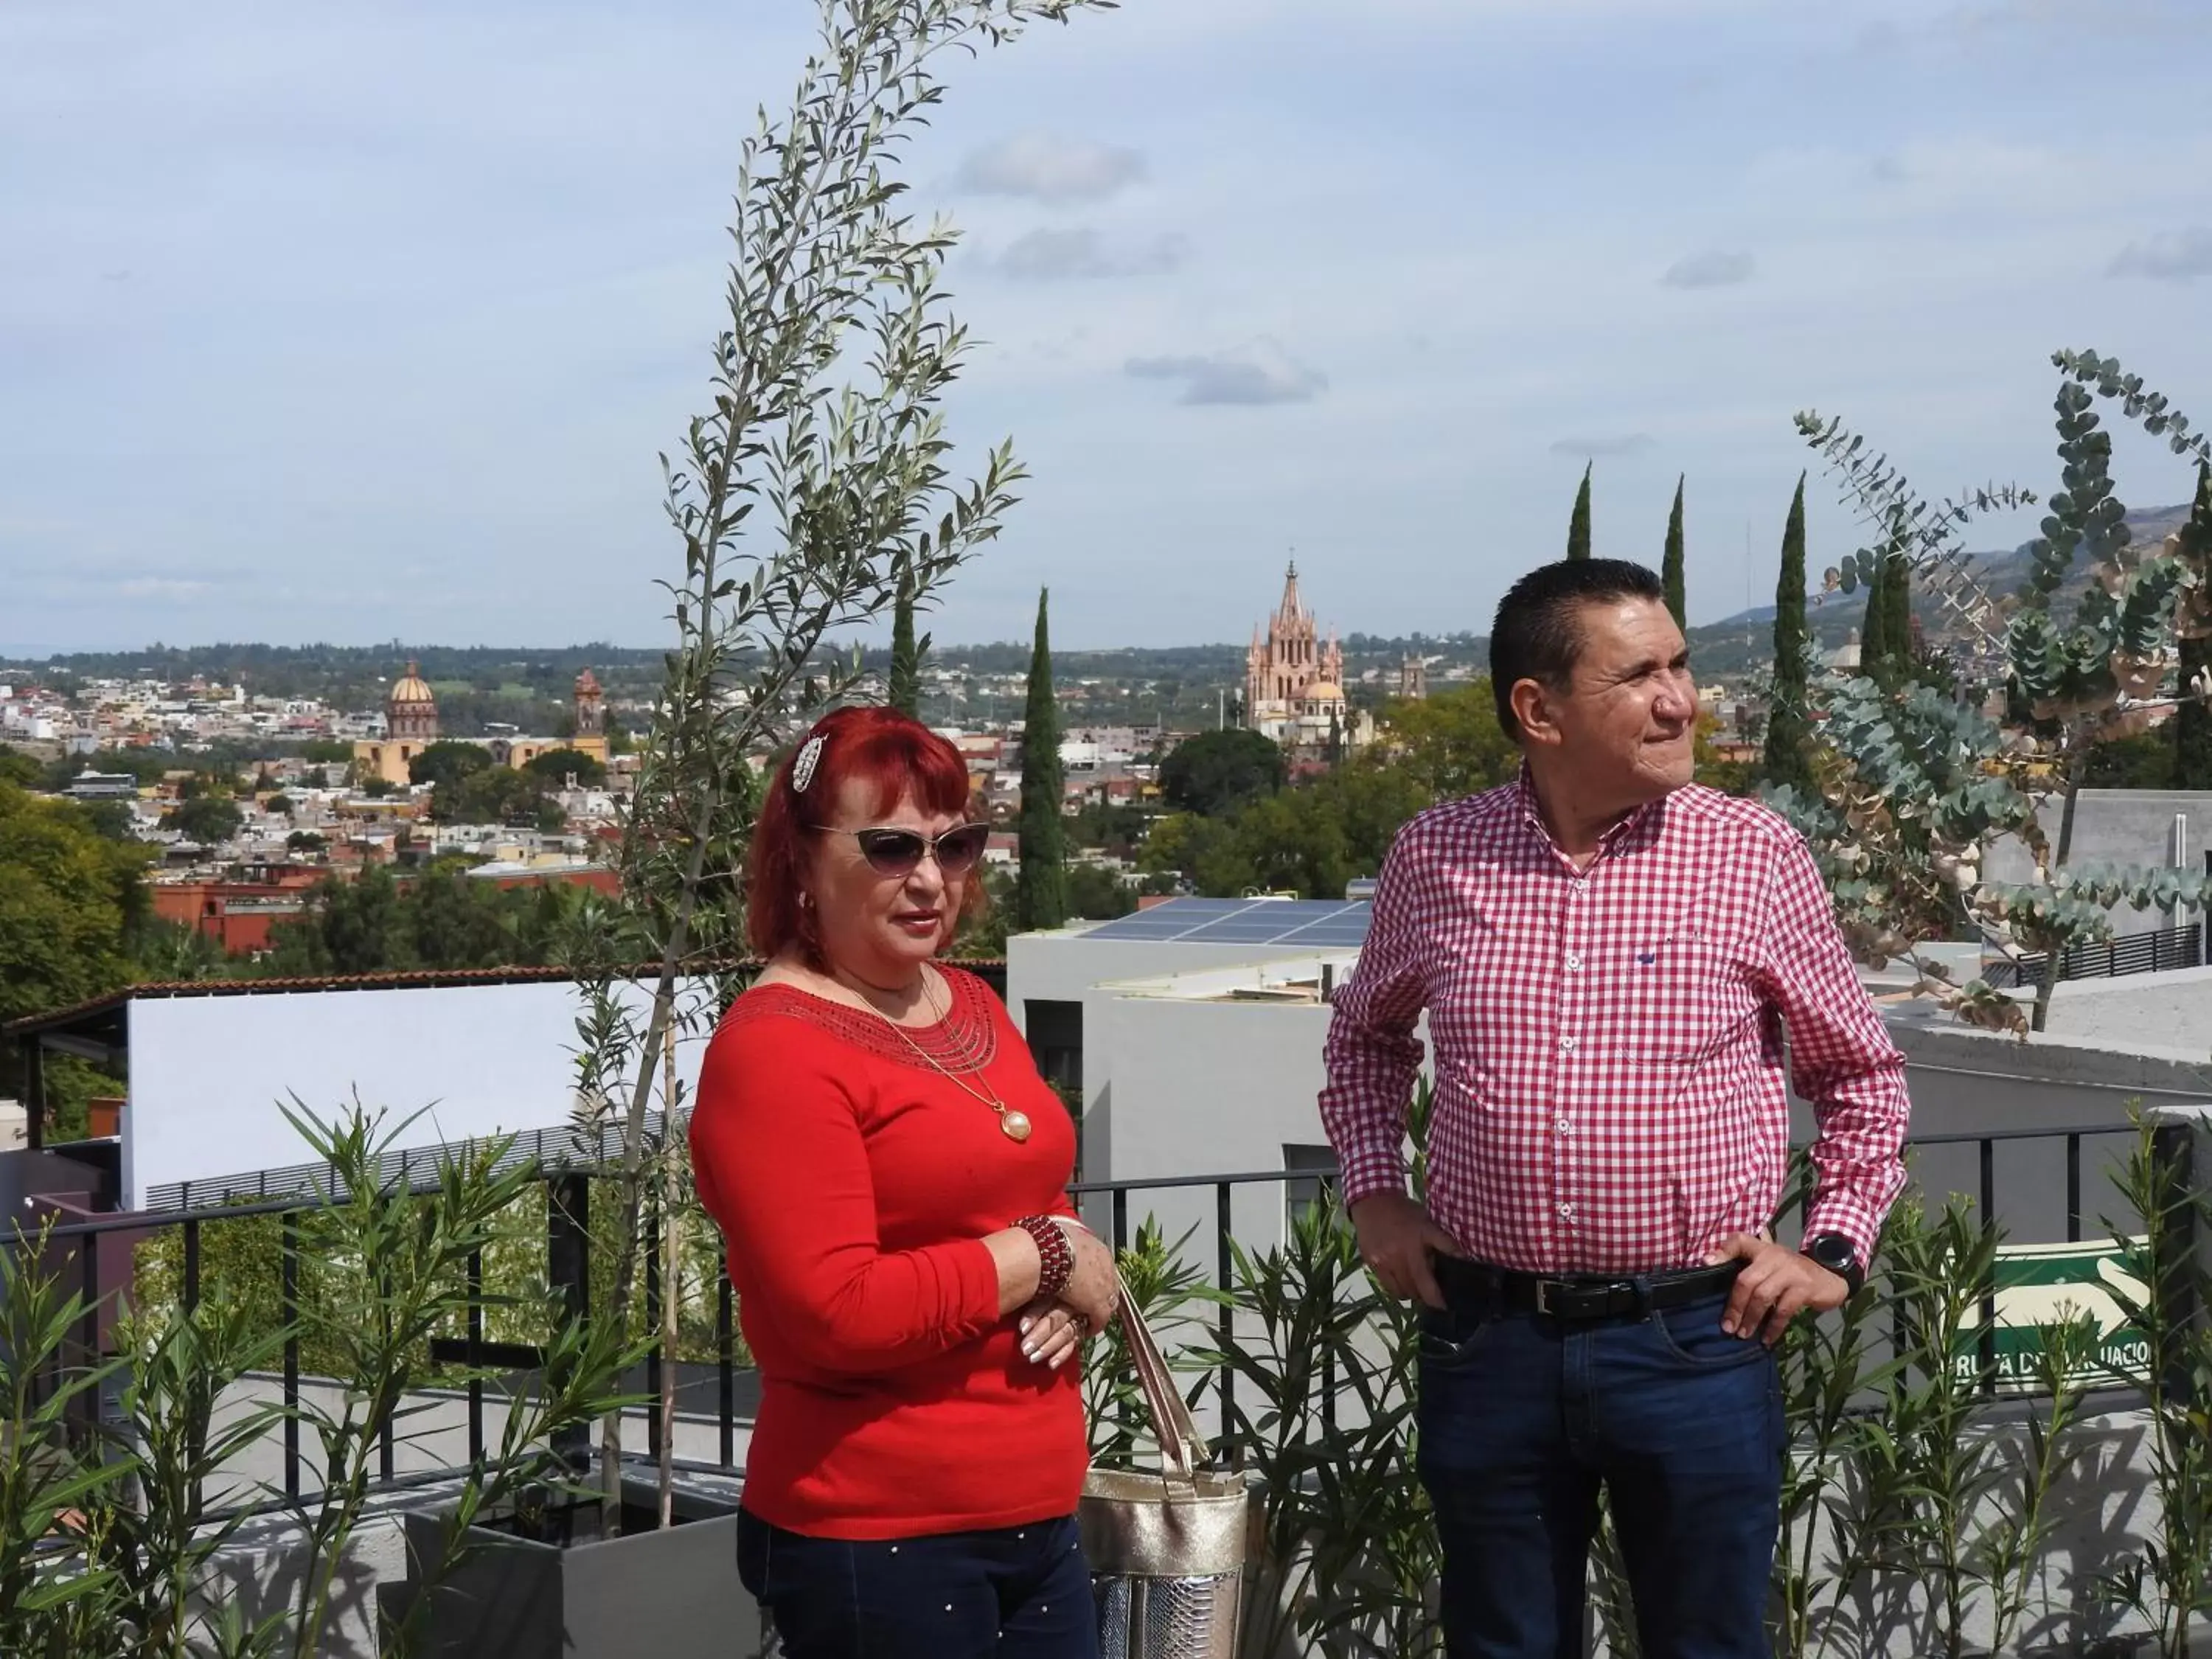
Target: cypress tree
{"x":1897,"y":623}
{"x":1789,"y":724}
{"x":2192,"y":721}
{"x":1578,"y":528}
{"x":1041,"y":890}
{"x":1874,"y":628}
{"x":1670,"y":568}
{"x":906,"y":660}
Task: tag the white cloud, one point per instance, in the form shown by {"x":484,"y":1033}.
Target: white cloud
{"x":1615,"y":444}
{"x":1714,"y":267}
{"x":1051,"y":255}
{"x":1259,"y":372}
{"x":2180,"y":256}
{"x":1046,"y":167}
{"x":160,"y":587}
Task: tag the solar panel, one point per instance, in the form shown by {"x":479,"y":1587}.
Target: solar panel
{"x":1139,"y":928}
{"x":1244,"y":922}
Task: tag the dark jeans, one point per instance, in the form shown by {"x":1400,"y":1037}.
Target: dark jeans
{"x":1011,"y":1593}
{"x":1522,"y":1418}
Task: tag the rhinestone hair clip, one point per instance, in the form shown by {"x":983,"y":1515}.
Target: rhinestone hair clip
{"x":802,"y":769}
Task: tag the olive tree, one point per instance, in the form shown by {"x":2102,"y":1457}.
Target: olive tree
{"x":814,"y":488}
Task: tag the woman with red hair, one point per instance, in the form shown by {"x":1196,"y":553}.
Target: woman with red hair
{"x":890,"y":1174}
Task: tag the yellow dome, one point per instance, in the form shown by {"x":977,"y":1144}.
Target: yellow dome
{"x":411,"y":688}
{"x":1324,"y":691}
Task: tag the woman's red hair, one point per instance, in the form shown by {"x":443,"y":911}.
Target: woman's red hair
{"x":897,"y":757}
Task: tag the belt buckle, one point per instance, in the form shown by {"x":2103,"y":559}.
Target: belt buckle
{"x":1544,"y":1289}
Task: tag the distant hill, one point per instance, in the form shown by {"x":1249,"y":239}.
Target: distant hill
{"x":1738,"y":643}
{"x":523,"y":684}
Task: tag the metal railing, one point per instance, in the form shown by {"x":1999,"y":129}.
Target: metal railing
{"x":2153,"y":952}
{"x":568,"y":1261}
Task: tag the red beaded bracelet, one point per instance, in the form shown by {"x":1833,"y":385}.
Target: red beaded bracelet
{"x":1055,"y":1256}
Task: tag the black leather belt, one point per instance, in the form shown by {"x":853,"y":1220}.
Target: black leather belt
{"x":1480,"y":1290}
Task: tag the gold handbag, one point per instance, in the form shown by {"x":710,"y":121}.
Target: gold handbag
{"x":1167,"y":1551}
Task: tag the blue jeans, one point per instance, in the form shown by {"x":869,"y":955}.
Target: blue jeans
{"x":1009,"y":1593}
{"x":1524,"y":1418}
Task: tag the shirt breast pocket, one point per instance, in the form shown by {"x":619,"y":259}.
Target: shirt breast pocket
{"x":1678,"y":1000}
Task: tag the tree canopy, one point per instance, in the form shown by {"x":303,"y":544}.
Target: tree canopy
{"x":441,"y":918}
{"x":557,"y":766}
{"x":207,"y":819}
{"x":1451,"y":743}
{"x":1216,"y":771}
{"x":446,"y":764}
{"x":69,"y":898}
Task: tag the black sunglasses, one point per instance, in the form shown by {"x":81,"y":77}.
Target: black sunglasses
{"x":900,"y":851}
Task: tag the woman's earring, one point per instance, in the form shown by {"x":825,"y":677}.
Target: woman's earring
{"x":805,"y":900}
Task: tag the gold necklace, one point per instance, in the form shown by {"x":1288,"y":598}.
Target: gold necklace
{"x":1014,"y":1122}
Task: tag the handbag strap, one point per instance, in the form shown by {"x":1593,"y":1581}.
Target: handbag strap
{"x":1182,"y":1449}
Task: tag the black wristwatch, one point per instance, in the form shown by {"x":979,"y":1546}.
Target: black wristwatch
{"x":1839,"y":1256}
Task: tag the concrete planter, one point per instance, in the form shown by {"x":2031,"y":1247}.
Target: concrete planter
{"x":673,"y":1594}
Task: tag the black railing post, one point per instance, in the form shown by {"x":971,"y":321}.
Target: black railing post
{"x":475,"y":1364}
{"x":1226,"y":1324}
{"x":87,"y":1248}
{"x":725,"y":1366}
{"x":289,"y":1312}
{"x":2073,"y":1188}
{"x":569,"y":1271}
{"x":1988,"y":1342}
{"x":31,"y":1056}
{"x":191,"y":1264}
{"x":2173,"y":1159}
{"x":1120,"y":1219}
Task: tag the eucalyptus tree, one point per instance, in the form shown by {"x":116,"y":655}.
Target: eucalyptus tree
{"x":1914,"y":786}
{"x":813,"y":487}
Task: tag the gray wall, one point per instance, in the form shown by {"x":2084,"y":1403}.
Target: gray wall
{"x":1965,"y":1081}
{"x":2118,"y":826}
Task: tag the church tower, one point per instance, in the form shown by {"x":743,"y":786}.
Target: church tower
{"x":1278,"y":668}
{"x":410,"y":713}
{"x":590,"y":706}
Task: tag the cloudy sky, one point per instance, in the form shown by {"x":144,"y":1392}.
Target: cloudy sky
{"x":361,"y":323}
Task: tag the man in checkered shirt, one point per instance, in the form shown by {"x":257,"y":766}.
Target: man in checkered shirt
{"x":1609,"y":957}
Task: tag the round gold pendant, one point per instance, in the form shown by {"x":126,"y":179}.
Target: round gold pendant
{"x":1016,"y":1125}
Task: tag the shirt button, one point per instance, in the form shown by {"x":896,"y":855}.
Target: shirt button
{"x":1566,"y":1045}
{"x":1580,"y":885}
{"x":1574,"y":963}
{"x":1563,"y":1123}
{"x":1566,"y":1212}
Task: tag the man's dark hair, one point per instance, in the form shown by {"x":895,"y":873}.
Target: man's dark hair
{"x":1537,"y":634}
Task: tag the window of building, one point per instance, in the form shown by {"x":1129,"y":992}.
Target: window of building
{"x":1056,"y":1039}
{"x":1303,"y":1193}
{"x":1056,"y":1036}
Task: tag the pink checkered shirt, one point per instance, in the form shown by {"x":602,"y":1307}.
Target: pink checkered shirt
{"x":1610,"y":1094}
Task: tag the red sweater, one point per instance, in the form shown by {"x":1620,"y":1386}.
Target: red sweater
{"x":854,"y":1183}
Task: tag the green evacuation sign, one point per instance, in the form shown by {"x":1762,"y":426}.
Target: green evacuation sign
{"x":2040,"y":1285}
